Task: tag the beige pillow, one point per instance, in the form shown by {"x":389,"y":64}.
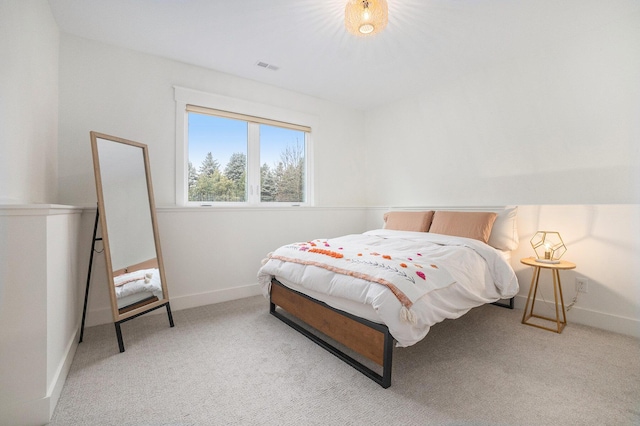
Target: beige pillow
{"x":476,"y":225}
{"x":408,"y":221}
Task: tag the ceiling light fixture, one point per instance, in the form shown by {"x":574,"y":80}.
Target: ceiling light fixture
{"x":366,"y":17}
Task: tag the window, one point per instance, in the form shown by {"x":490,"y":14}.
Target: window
{"x":217,"y":149}
{"x":234,"y":158}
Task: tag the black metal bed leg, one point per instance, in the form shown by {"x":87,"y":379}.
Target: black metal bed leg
{"x":119,"y":335}
{"x":169,"y":315}
{"x":387,"y":363}
{"x":510,"y":305}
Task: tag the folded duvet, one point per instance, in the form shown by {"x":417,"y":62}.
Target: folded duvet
{"x":145,"y":280}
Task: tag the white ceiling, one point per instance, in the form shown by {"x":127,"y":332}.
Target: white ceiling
{"x":426,"y":43}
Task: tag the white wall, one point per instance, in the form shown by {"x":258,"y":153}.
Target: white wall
{"x":64,"y":295}
{"x":550,"y":127}
{"x":40,"y":306}
{"x":23,"y":370}
{"x":29,"y":44}
{"x":128,"y":94}
{"x":557,"y":125}
{"x":554,"y":130}
{"x":38,"y":245}
{"x":210,"y":255}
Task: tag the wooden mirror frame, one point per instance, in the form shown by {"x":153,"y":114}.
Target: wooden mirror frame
{"x":121,"y":315}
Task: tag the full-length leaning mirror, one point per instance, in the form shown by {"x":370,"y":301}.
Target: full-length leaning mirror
{"x":127,"y":218}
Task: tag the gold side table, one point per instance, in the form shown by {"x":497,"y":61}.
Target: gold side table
{"x":557,"y":292}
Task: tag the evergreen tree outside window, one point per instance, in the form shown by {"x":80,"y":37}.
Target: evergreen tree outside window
{"x":282,"y":178}
{"x":218,"y":154}
{"x":233,"y":158}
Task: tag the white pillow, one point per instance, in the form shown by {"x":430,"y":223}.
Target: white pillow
{"x":504,"y":234}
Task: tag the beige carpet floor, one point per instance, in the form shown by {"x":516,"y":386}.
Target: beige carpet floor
{"x":234,"y":364}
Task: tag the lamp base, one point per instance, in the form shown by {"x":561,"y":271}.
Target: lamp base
{"x":552,"y":261}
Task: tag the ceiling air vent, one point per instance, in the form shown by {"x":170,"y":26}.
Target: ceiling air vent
{"x":267,"y":66}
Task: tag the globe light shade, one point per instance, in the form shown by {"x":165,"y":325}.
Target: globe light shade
{"x":366,"y":17}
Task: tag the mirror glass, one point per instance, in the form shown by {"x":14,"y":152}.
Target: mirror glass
{"x":128,"y":224}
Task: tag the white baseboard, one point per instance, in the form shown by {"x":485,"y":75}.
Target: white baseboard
{"x":55,"y":388}
{"x":216,"y":296}
{"x":595,"y":319}
{"x":616,"y":324}
{"x":103,"y":315}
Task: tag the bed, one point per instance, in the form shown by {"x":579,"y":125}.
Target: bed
{"x":386,"y":287}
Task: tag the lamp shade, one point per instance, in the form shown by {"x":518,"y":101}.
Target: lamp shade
{"x":366,"y":17}
{"x":548,"y":246}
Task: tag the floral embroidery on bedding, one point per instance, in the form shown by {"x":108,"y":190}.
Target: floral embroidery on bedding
{"x":406,"y":277}
{"x":310,"y":246}
{"x":327,"y":253}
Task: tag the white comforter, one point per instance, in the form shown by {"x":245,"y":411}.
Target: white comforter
{"x":480,"y":275}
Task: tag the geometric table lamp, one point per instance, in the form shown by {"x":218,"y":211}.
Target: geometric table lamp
{"x":548,"y":246}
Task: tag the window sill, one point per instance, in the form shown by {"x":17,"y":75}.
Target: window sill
{"x":219,"y":209}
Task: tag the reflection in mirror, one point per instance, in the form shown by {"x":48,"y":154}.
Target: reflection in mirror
{"x":135,"y":271}
{"x":128,"y":220}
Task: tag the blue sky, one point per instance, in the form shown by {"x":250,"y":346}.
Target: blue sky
{"x":223,"y":137}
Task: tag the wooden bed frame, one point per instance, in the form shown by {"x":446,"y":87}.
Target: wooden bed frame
{"x":366,"y":338}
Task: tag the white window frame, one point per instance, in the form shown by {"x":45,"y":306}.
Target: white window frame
{"x":184,"y":97}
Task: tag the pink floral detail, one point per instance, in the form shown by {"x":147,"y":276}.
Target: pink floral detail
{"x":421,"y":275}
{"x":418,"y":254}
